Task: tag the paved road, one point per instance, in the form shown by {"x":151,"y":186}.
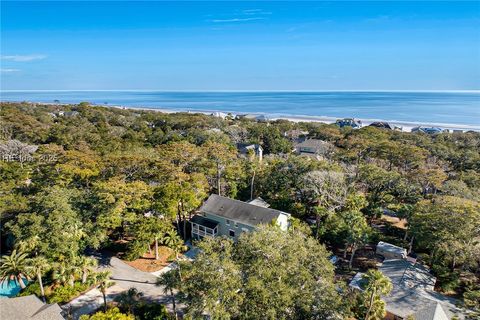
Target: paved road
{"x":125,"y":277}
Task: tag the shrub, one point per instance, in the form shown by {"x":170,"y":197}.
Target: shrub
{"x":471,"y":299}
{"x":152,"y":311}
{"x":64,"y":294}
{"x":113,"y":313}
{"x":32,"y":288}
{"x":448,"y":281}
{"x":136,"y":249}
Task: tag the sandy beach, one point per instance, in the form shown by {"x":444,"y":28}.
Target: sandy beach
{"x":405,"y":125}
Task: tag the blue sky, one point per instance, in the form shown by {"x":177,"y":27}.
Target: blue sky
{"x":408,"y":45}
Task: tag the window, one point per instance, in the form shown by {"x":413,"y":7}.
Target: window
{"x":231,"y":233}
{"x":228,"y":222}
{"x":236,"y":225}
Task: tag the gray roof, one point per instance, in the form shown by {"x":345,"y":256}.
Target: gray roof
{"x":28,"y":307}
{"x":413,"y":292}
{"x":422,"y":305}
{"x":403,"y":273}
{"x":259,"y":202}
{"x":313,"y":143}
{"x":245,"y":147}
{"x":385,"y":246}
{"x":432,"y":311}
{"x":239,"y":211}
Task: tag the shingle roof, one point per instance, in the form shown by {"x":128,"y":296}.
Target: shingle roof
{"x":385,"y":246}
{"x":259,"y":202}
{"x":239,"y":211}
{"x":312,"y":143}
{"x":413,"y":292}
{"x":403,"y":273}
{"x":244,"y":147}
{"x":28,"y":307}
{"x":433,"y":311}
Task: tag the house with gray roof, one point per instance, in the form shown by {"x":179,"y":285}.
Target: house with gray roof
{"x":29,"y":307}
{"x":413,"y":293}
{"x":222,"y":216}
{"x":314,"y":147}
{"x":390,"y":251}
{"x":250,"y":150}
{"x":259,"y":202}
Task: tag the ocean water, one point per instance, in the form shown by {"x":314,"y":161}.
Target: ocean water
{"x":448,"y":108}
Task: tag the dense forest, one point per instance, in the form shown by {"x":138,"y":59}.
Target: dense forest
{"x":77,"y":178}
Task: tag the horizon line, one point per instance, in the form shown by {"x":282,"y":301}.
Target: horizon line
{"x":246,"y":91}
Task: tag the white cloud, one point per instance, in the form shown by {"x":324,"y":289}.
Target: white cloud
{"x":24,"y":58}
{"x":9,"y":70}
{"x":235,"y":20}
{"x":255,"y":11}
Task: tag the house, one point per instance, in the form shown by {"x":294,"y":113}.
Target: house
{"x":259,"y":202}
{"x":349,"y":122}
{"x":68,"y":114}
{"x":314,"y":147}
{"x":255,"y":117}
{"x":412,"y":293}
{"x":222,"y":216}
{"x":221,"y":115}
{"x":390,"y":251}
{"x":248,"y":150}
{"x":428,"y":130}
{"x":295,"y":134}
{"x":29,"y":307}
{"x":385,"y":125}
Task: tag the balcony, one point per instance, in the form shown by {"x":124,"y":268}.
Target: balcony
{"x":203,"y":227}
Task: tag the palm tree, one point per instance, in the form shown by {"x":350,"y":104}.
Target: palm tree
{"x":103,"y":280}
{"x":64,"y":274}
{"x":376,"y":284}
{"x":174,"y":242}
{"x":87,"y":266}
{"x":170,"y":280}
{"x":37,"y":266}
{"x":14,"y":267}
{"x":158,"y":230}
{"x":129,"y":299}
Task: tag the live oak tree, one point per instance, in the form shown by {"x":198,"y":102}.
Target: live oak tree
{"x":449,"y":228}
{"x":212,"y":282}
{"x":176,"y":199}
{"x":268,"y":274}
{"x":96,"y":174}
{"x":356,"y":231}
{"x":325,"y":192}
{"x":118,"y":202}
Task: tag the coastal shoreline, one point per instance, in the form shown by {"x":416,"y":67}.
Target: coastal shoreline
{"x":406,"y":126}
